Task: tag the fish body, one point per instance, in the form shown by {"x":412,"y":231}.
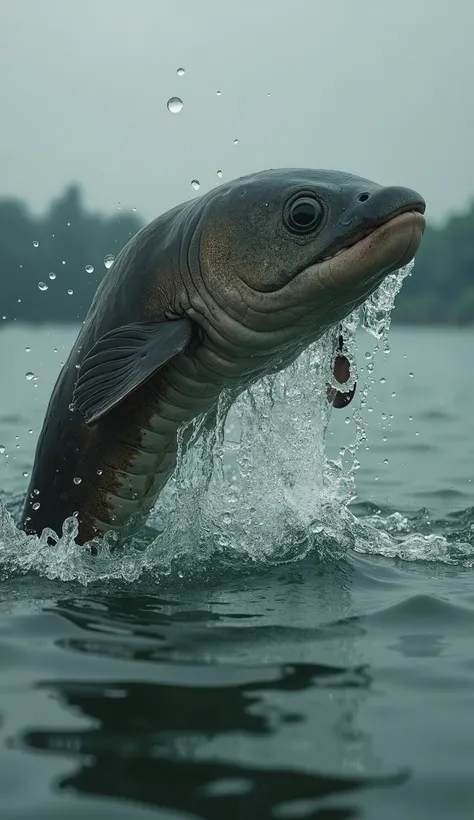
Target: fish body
{"x":214,"y":294}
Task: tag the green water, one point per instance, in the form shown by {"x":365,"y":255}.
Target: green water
{"x":308,"y":689}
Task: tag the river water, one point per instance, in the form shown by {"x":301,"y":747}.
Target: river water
{"x":273,"y":682}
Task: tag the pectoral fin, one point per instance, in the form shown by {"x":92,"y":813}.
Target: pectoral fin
{"x":124,"y":359}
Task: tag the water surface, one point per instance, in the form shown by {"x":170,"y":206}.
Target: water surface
{"x":308,"y":688}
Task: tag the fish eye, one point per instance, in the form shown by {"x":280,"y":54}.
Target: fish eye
{"x":303,"y":214}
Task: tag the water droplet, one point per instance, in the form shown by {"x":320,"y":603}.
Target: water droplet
{"x":30,"y":431}
{"x":410,"y":418}
{"x":28,"y":349}
{"x":70,"y":291}
{"x":71,"y":407}
{"x":195,"y":184}
{"x":2,"y":449}
{"x":236,"y":142}
{"x":42,"y":286}
{"x":63,"y":262}
{"x":52,"y":275}
{"x":89,"y":268}
{"x":109,"y":260}
{"x":36,"y":505}
{"x":25,"y":474}
{"x":36,"y":244}
{"x":68,"y":224}
{"x":99,"y":472}
{"x":382,"y":380}
{"x":368,"y":355}
{"x":218,"y":93}
{"x":180,"y":574}
{"x":180,"y":72}
{"x":347,"y":420}
{"x":30,"y":376}
{"x":385,"y":461}
{"x":77,"y":480}
{"x":410,"y":375}
{"x":393,"y":394}
{"x":370,"y":409}
{"x":174,"y":104}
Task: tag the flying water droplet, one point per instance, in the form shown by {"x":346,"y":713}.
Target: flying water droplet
{"x":174,"y":105}
{"x":36,"y":244}
{"x":25,"y":474}
{"x":70,"y":291}
{"x":109,"y":260}
{"x":219,"y":174}
{"x":42,"y":286}
{"x":52,"y":275}
{"x":2,"y":449}
{"x":36,"y":505}
{"x":218,"y":93}
{"x":195,"y":184}
{"x":236,"y":142}
{"x":410,"y":375}
{"x":77,"y":480}
{"x":27,"y":349}
{"x":180,"y":72}
{"x":29,"y":376}
{"x":89,"y":268}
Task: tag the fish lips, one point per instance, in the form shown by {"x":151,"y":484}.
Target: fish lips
{"x":378,"y":249}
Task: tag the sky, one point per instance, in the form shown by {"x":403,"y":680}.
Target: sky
{"x":379,"y":88}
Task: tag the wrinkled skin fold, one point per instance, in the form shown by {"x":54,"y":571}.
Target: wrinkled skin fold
{"x":213,"y":294}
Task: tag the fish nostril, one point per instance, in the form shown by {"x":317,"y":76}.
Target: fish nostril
{"x":364,"y":197}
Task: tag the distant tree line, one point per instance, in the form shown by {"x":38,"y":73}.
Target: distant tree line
{"x":50,"y":266}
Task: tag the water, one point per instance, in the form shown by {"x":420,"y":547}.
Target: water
{"x":277,"y":684}
{"x":175,"y":105}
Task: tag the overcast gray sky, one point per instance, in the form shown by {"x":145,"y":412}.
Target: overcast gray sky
{"x":382,"y":88}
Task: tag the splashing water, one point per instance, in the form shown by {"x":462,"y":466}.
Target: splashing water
{"x":253,"y":486}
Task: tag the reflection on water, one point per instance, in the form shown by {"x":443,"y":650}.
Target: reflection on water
{"x":156,"y":742}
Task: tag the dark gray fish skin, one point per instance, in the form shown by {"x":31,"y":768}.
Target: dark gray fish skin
{"x":215,"y":293}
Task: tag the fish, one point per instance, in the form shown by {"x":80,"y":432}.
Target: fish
{"x":212,"y":295}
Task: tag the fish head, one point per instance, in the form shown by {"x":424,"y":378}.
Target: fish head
{"x":280,"y":256}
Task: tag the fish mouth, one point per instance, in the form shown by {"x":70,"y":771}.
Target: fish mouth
{"x":353,"y":239}
{"x":379,"y":248}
